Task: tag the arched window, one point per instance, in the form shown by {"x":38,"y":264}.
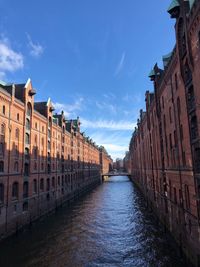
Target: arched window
{"x":1,"y":193}
{"x":25,"y":190}
{"x":42,"y":184}
{"x":48,"y":184}
{"x":29,"y":109}
{"x":27,"y":140}
{"x":34,"y":186}
{"x":16,"y":166}
{"x":4,"y":110}
{"x":15,"y":190}
{"x":1,"y":166}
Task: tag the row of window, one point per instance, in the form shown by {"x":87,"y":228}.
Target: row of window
{"x":49,"y":184}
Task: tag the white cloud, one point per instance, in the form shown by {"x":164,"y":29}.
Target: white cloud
{"x":70,"y":109}
{"x":120,"y":64}
{"x":116,"y":143}
{"x":36,"y":49}
{"x":10,"y":60}
{"x":110,"y":125}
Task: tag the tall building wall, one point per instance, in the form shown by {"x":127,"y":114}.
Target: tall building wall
{"x":45,"y":160}
{"x":164,"y":148}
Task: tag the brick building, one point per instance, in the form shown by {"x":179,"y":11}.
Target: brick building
{"x":164,"y":151}
{"x":45,"y":160}
{"x":106,"y":161}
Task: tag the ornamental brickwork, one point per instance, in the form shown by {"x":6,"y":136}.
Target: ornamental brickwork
{"x":164,"y":152}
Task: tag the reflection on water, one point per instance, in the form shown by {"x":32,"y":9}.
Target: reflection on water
{"x":109,"y":227}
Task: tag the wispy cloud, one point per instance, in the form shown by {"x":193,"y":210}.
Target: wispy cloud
{"x":120,"y":64}
{"x":108,"y":124}
{"x":10,"y":60}
{"x":70,"y":109}
{"x":106,"y":106}
{"x":36,"y":49}
{"x":116,"y":143}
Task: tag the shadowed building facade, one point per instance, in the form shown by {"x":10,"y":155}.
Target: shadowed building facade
{"x":45,"y":160}
{"x":164,"y":152}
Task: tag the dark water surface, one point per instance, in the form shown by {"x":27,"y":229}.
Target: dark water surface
{"x":110,"y":227}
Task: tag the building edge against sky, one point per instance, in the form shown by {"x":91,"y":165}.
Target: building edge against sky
{"x":164,"y":151}
{"x":45,"y":159}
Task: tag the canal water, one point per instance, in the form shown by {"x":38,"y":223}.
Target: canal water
{"x":109,"y":227}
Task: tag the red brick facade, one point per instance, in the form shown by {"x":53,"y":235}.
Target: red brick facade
{"x":44,"y":158}
{"x":164,"y":150}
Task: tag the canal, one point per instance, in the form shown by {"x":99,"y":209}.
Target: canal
{"x":109,"y":227}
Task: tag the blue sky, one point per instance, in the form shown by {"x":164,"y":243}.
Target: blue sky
{"x":91,"y":57}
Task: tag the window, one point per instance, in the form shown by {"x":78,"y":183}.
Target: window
{"x":1,"y":193}
{"x":4,"y":110}
{"x":3,"y":129}
{"x":194,"y":129}
{"x":190,"y":98}
{"x":25,"y":206}
{"x":26,"y":169}
{"x":36,"y":125}
{"x":42,"y":184}
{"x":175,"y":139}
{"x":35,"y":139}
{"x":34,"y":186}
{"x":15,"y":190}
{"x":16,"y":166}
{"x":42,"y":141}
{"x":18,"y":116}
{"x":35,"y":166}
{"x":16,"y":151}
{"x":1,"y":166}
{"x":28,"y":126}
{"x":181,"y":132}
{"x":50,"y":121}
{"x":26,"y":153}
{"x":29,"y":109}
{"x":27,"y":139}
{"x":58,"y":180}
{"x":1,"y":148}
{"x":25,"y":190}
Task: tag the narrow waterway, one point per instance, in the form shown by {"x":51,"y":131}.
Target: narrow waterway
{"x":110,"y":227}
